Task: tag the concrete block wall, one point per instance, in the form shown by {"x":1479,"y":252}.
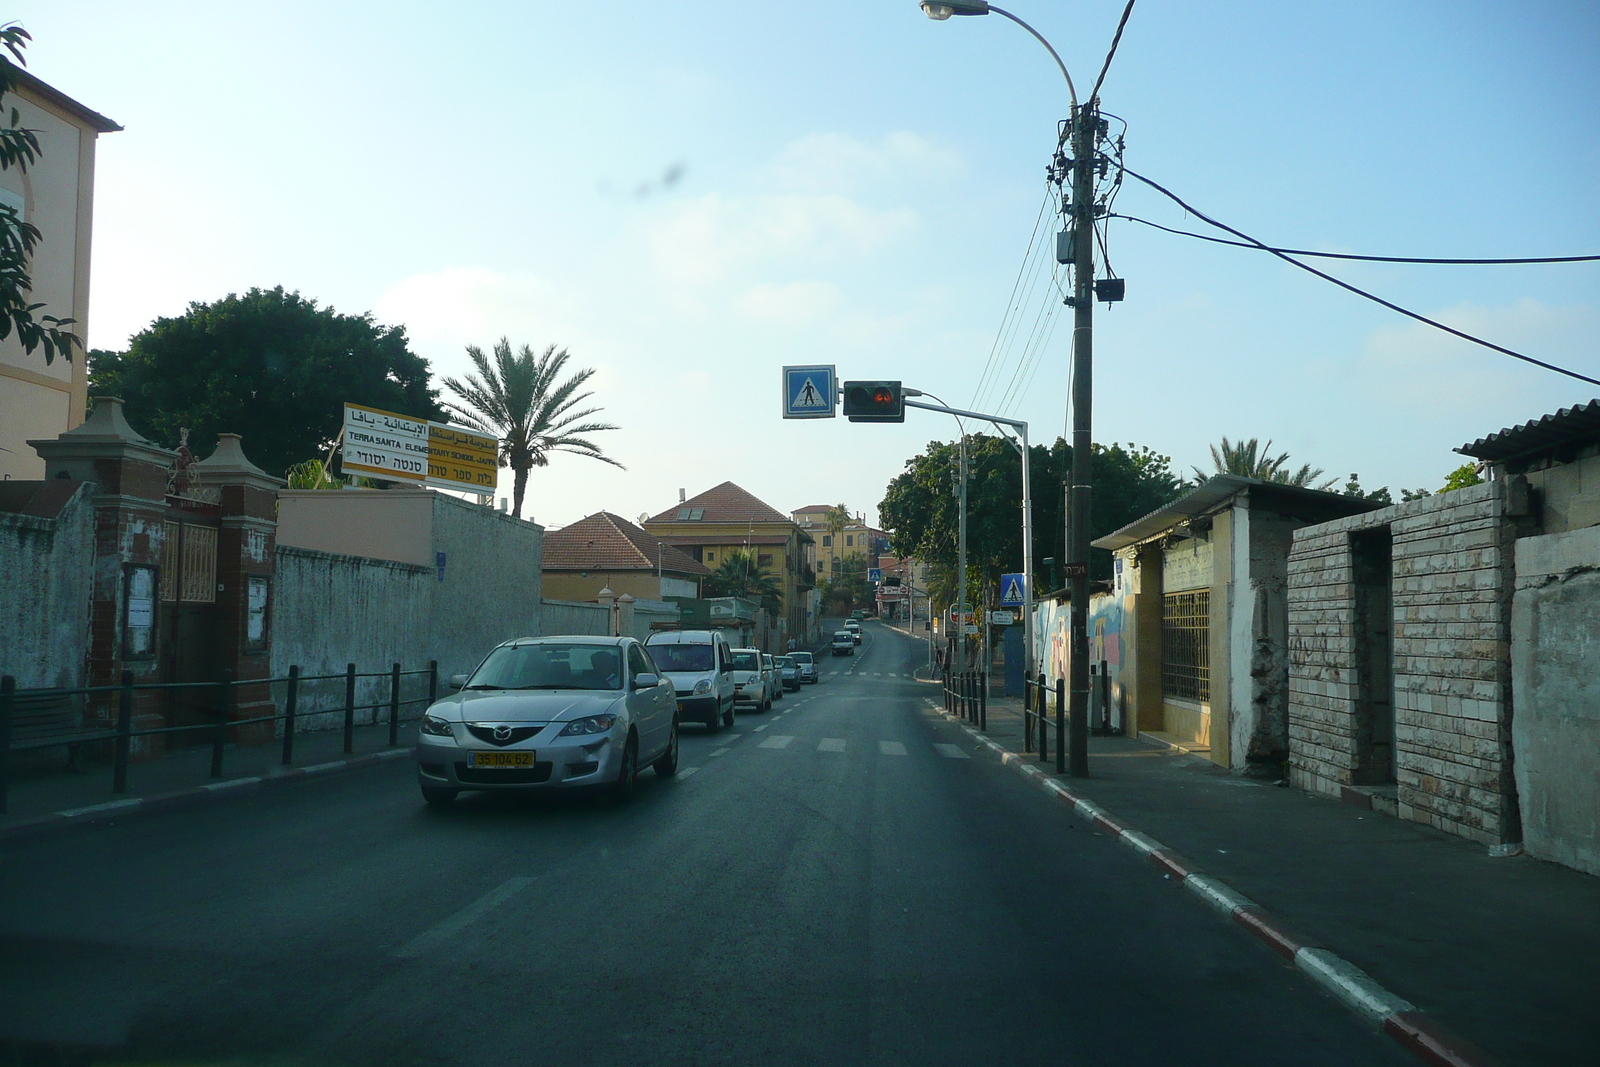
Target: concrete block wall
{"x":46,"y":574}
{"x":1453,"y":568}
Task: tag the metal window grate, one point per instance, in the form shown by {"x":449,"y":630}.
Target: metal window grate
{"x":169,"y":561}
{"x":199,"y":576}
{"x":1186,"y":645}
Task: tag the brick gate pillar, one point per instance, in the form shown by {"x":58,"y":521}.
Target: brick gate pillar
{"x":130,"y":484}
{"x":246,"y":550}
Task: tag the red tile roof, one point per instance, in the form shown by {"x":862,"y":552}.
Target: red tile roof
{"x":724,"y":503}
{"x":607,"y":542}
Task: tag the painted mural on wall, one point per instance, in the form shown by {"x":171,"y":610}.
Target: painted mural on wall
{"x":1053,"y":633}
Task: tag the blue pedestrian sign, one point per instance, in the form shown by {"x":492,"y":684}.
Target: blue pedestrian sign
{"x":1012,"y":588}
{"x":809,"y":392}
{"x":874,"y":574}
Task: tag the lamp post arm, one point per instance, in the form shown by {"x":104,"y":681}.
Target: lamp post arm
{"x":1072,"y":92}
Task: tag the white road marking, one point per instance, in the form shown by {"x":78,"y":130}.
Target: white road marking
{"x":760,"y":728}
{"x":447,"y":928}
{"x":687,"y":771}
{"x":776,"y":741}
{"x":891,"y":748}
{"x":720,"y":752}
{"x":831,"y":744}
{"x":951,"y":751}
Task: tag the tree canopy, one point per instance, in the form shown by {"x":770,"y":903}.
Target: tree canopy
{"x":1252,"y":459}
{"x":739,"y":574}
{"x":269,"y":365}
{"x":922,"y":512}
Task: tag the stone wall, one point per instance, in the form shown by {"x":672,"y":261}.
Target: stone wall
{"x":1555,"y":669}
{"x":46,"y":570}
{"x":1451,"y":586}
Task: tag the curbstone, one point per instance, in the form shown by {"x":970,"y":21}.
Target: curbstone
{"x":1352,"y":985}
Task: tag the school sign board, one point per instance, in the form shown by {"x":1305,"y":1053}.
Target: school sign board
{"x":383,"y":444}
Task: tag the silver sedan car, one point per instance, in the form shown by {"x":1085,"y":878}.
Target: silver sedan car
{"x":550,"y":712}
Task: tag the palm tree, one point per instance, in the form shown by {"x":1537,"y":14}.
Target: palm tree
{"x":1251,"y":459}
{"x":738,"y":574}
{"x":519,"y":399}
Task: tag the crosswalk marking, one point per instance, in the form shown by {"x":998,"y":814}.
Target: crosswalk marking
{"x":760,"y":728}
{"x":687,"y":771}
{"x":721,"y":752}
{"x":831,"y":744}
{"x":891,"y":748}
{"x":951,"y":751}
{"x":776,"y":741}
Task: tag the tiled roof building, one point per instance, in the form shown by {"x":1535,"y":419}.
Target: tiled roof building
{"x":607,"y":550}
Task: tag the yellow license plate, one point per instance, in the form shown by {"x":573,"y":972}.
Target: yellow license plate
{"x":499,"y":759}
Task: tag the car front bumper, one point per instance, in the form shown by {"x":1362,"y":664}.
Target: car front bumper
{"x":558,"y":762}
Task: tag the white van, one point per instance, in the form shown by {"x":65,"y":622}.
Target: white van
{"x":700,"y":665}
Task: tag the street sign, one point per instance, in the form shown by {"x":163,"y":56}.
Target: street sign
{"x":1012,"y":588}
{"x":462,"y":459}
{"x":970,"y":629}
{"x":1002,"y":618}
{"x":1077,"y":570}
{"x":809,"y":392}
{"x":955,"y":615}
{"x":384,"y":444}
{"x":874,"y":574}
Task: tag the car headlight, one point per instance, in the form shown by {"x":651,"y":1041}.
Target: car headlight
{"x":703,"y":685}
{"x":437,"y":727}
{"x":590,"y":724}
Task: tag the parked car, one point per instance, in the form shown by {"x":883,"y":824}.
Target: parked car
{"x":700,"y":665}
{"x":550,"y":713}
{"x":789,"y":673}
{"x":807,"y":666}
{"x":774,"y":676}
{"x":843,"y":644}
{"x":857,"y":615}
{"x":751,"y":685}
{"x":853,"y":628}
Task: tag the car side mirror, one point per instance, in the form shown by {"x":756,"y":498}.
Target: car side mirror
{"x":646,"y":681}
{"x":458,"y":681}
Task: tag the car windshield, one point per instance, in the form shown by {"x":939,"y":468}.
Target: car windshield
{"x":553,"y":665}
{"x":842,"y":635}
{"x":801,"y":657}
{"x":747,"y":661}
{"x":684,"y":658}
{"x":785,"y":661}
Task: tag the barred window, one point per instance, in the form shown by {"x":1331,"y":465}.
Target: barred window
{"x":1186,"y":645}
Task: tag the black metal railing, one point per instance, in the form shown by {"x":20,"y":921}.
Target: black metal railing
{"x":966,"y":695}
{"x":1036,"y":722}
{"x":221,"y":714}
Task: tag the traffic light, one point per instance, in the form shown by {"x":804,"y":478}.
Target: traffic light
{"x":874,"y":402}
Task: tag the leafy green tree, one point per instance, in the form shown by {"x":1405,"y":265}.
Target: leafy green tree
{"x":922,"y":512}
{"x":269,"y":365}
{"x":1463,"y":476}
{"x":739,"y":574}
{"x":847,"y":588}
{"x":19,"y":147}
{"x":521,"y":399}
{"x":1251,"y":459}
{"x":1377,"y":496}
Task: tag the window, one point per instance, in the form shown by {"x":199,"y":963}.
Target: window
{"x":764,"y":559}
{"x":188,"y":563}
{"x":827,"y":541}
{"x":710,"y":556}
{"x":1186,"y":645}
{"x":638,"y":662}
{"x":849,"y":540}
{"x":550,"y":666}
{"x":683,"y":657}
{"x":691,"y":514}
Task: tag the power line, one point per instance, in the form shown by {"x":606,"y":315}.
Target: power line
{"x":1115,"y":40}
{"x":1175,"y":198}
{"x":1347,"y":255}
{"x":1026,"y":259}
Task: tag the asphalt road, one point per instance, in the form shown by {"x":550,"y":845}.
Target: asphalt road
{"x":842,"y":880}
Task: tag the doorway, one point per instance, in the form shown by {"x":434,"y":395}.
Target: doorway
{"x":1372,"y":572}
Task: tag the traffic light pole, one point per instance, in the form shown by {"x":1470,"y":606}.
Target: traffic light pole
{"x":1021,"y":429}
{"x":1084,"y":134}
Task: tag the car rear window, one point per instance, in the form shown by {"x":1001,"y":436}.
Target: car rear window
{"x":747,"y":661}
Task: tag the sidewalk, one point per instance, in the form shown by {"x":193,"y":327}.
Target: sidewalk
{"x":51,"y":798}
{"x":1506,"y":951}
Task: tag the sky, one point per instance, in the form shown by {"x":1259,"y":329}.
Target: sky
{"x":689,"y":197}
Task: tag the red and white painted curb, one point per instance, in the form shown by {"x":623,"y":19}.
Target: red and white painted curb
{"x":1416,"y":1030}
{"x":130,"y":806}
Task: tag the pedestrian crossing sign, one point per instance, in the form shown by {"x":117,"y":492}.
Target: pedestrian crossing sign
{"x":809,"y":392}
{"x":1012,"y":588}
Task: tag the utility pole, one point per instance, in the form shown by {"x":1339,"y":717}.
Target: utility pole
{"x":961,"y":552}
{"x":1085,"y":134}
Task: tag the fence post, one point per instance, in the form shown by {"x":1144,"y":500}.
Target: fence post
{"x":433,"y":681}
{"x":349,"y":709}
{"x":1061,"y":712}
{"x":1044,"y":712}
{"x":966,"y":695}
{"x":224,"y":716}
{"x":394,"y":705}
{"x":983,"y":701}
{"x":8,"y":691}
{"x":119,"y":759}
{"x":291,"y":707}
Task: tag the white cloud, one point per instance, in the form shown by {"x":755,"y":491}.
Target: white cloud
{"x":794,"y":304}
{"x":836,"y":162}
{"x":474,"y":305}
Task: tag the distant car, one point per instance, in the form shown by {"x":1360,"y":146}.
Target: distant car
{"x":751,"y":687}
{"x":843,"y":644}
{"x":853,"y":628}
{"x":858,"y":615}
{"x":789,"y":672}
{"x":774,"y":676}
{"x":806,"y":665}
{"x":550,"y":713}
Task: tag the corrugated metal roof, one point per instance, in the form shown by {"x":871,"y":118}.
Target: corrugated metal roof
{"x":1569,"y":426}
{"x":1218,"y":489}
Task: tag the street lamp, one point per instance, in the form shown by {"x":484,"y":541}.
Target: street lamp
{"x":1085,"y":135}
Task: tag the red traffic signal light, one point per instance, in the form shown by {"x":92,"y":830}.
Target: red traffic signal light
{"x":874,"y":402}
